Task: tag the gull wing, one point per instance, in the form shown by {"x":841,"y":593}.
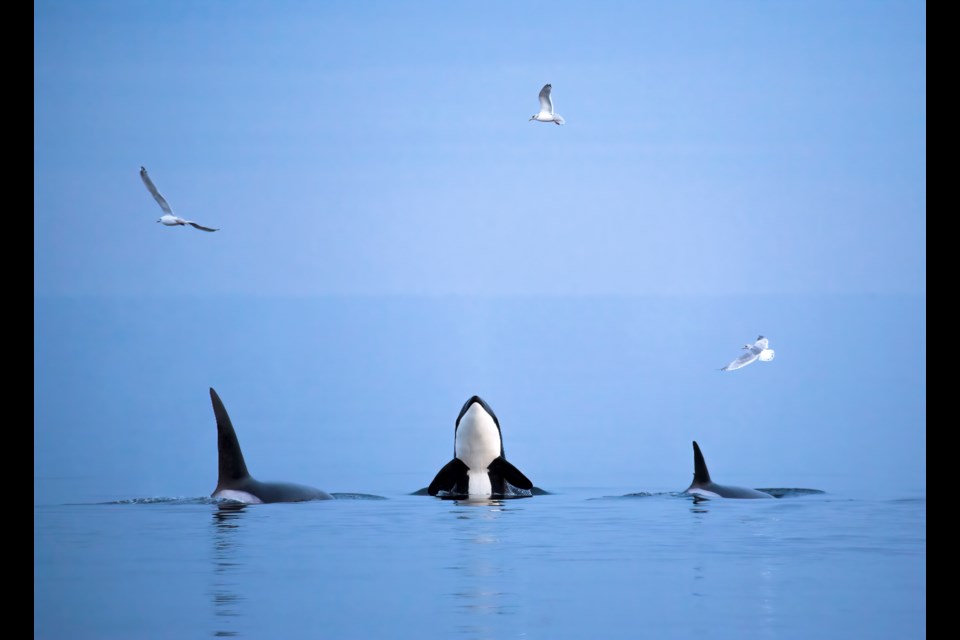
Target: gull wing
{"x":153,"y":191}
{"x":743,"y":360}
{"x":199,"y":226}
{"x":546,"y":103}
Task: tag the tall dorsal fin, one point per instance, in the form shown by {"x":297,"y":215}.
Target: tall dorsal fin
{"x":232,"y":466}
{"x":700,"y":473}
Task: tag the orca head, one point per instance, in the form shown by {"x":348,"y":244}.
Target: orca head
{"x":479,"y":468}
{"x":478,"y":415}
{"x":481,"y":405}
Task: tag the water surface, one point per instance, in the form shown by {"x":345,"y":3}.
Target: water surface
{"x":569,"y":565}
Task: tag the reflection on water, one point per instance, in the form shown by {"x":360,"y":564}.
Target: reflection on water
{"x":479,"y":501}
{"x":481,"y":575}
{"x":768,"y":594}
{"x":226,"y":601}
{"x":699,"y":504}
{"x":754,"y":546}
{"x":697,"y":575}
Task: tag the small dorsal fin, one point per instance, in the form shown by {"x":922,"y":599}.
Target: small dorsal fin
{"x":232,"y":466}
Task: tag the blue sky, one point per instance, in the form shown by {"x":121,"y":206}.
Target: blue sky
{"x":395,"y":236}
{"x":384,"y":147}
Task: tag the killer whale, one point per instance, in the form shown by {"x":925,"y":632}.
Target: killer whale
{"x":479,"y":468}
{"x":235,"y":483}
{"x":703,"y":487}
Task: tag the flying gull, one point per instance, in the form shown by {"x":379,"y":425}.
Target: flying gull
{"x":546,"y":108}
{"x":168,"y":218}
{"x":756,"y":351}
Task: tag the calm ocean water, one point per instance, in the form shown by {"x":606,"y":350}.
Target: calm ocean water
{"x":569,"y":565}
{"x":596,"y":396}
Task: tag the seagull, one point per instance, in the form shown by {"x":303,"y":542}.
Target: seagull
{"x":546,"y":108}
{"x":756,"y":351}
{"x":167,"y":218}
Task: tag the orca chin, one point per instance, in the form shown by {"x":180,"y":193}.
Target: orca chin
{"x":479,"y":469}
{"x":234,"y":483}
{"x":703,"y":488}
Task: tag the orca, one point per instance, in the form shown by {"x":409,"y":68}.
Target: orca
{"x":479,"y":468}
{"x":235,"y":483}
{"x":703,"y":487}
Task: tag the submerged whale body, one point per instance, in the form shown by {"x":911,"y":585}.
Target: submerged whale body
{"x":235,"y":483}
{"x":703,"y":487}
{"x":479,"y":468}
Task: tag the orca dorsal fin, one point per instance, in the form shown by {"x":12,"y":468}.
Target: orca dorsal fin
{"x":700,"y":473}
{"x":231,"y":466}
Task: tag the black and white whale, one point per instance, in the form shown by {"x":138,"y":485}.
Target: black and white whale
{"x":703,"y":487}
{"x":235,"y":483}
{"x":479,"y":468}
